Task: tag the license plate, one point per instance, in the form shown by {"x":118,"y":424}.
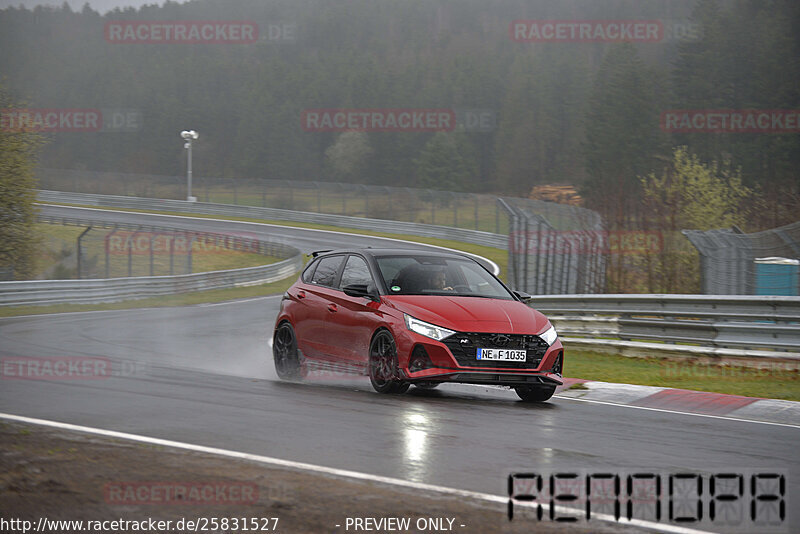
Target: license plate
{"x":503,"y":355}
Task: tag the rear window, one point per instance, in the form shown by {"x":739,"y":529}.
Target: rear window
{"x":326,"y":271}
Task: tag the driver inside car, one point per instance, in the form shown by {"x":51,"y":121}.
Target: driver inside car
{"x":439,"y":281}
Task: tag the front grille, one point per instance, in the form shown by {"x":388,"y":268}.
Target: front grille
{"x":464,"y":347}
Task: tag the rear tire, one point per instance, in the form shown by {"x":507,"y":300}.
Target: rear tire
{"x":535,"y":394}
{"x":285,"y":354}
{"x":383,"y":372}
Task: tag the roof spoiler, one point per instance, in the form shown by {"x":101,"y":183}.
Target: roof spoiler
{"x":318,"y":252}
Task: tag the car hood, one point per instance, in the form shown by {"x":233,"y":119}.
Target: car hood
{"x":471,"y":314}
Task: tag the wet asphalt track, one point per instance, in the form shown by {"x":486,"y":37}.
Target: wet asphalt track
{"x":203,"y":374}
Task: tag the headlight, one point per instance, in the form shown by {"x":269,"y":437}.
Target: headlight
{"x":426,"y":329}
{"x":549,"y":335}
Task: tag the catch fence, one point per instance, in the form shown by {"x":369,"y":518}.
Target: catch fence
{"x":761,"y":263}
{"x":552,"y":248}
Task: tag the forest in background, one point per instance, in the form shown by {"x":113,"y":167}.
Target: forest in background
{"x":582,"y":114}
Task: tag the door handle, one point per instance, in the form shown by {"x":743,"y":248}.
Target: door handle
{"x":301,"y":294}
{"x":333,"y":308}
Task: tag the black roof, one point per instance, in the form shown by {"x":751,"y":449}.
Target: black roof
{"x":369,"y":251}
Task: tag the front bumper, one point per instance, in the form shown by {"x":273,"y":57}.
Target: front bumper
{"x":454,"y":360}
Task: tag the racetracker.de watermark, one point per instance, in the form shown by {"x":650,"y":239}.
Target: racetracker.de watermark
{"x":181,"y":32}
{"x":68,"y":368}
{"x":585,"y":242}
{"x":125,"y":242}
{"x":771,"y":370}
{"x":587,"y":31}
{"x":180,"y":493}
{"x":50,"y":120}
{"x":378,"y":120}
{"x":731,"y":121}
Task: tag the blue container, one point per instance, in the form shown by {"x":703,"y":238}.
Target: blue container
{"x":777,"y":276}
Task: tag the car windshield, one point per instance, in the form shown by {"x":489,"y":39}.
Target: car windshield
{"x":439,"y":275}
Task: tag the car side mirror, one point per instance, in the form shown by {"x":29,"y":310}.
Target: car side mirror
{"x":361,"y":290}
{"x":521,"y":295}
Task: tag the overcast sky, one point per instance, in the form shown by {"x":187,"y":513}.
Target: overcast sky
{"x":98,"y":5}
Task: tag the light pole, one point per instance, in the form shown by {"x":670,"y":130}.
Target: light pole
{"x":189,"y":136}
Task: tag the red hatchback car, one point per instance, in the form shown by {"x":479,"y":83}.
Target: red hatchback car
{"x":406,"y":317}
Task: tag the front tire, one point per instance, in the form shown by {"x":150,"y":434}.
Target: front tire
{"x":383,"y":371}
{"x":535,"y":394}
{"x":288,"y":365}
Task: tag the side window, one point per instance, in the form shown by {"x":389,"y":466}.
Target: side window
{"x":355,"y":271}
{"x":309,"y":270}
{"x":325,"y":274}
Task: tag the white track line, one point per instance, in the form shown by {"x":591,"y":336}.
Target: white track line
{"x":607,"y":403}
{"x":237,"y":301}
{"x":495,"y":267}
{"x":333,"y":471}
{"x":710,"y":416}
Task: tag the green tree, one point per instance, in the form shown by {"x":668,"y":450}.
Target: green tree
{"x":622,"y":137}
{"x":445,"y":163}
{"x":538,"y":141}
{"x":622,"y":141}
{"x":18,"y":152}
{"x":689,"y":194}
{"x":347,"y":157}
{"x":746,"y":58}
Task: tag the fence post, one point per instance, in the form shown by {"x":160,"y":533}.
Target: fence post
{"x":190,"y":242}
{"x":130,"y":254}
{"x":80,"y":250}
{"x":152,"y":238}
{"x":527,"y":252}
{"x":107,"y":239}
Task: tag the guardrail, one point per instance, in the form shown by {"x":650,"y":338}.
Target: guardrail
{"x":43,"y":292}
{"x":636,"y":325}
{"x":724,"y":326}
{"x":230,"y":210}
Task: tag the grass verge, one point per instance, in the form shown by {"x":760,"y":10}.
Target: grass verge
{"x":57,"y":255}
{"x":499,"y":256}
{"x":773,"y":380}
